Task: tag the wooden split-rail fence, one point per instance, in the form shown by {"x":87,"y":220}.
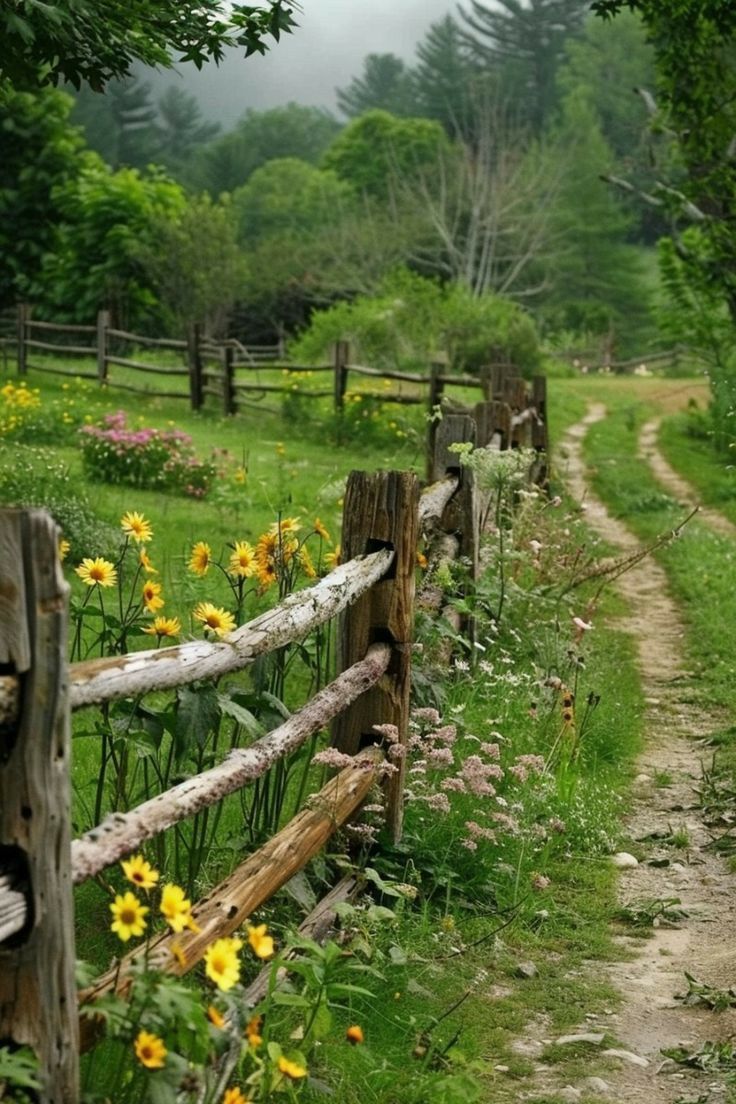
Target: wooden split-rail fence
{"x":372,"y":593}
{"x":231,"y":375}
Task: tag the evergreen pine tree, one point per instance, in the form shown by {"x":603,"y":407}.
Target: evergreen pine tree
{"x":386,"y":85}
{"x":444,"y":77}
{"x":526,"y":40}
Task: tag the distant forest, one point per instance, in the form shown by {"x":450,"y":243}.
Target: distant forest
{"x":478,"y":165}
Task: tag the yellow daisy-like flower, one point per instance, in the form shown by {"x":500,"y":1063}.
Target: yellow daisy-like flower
{"x":164,"y":626}
{"x":422,"y":561}
{"x":221,"y":962}
{"x":135,"y":525}
{"x":215,"y":1016}
{"x":178,"y":955}
{"x":64,"y":547}
{"x":261,"y":943}
{"x":305,"y":561}
{"x":332,"y":559}
{"x":201,"y":558}
{"x":321,"y":531}
{"x":243,"y":560}
{"x":146,"y":563}
{"x":234,"y":1096}
{"x":214,"y":618}
{"x":128,"y":916}
{"x":150,"y":1050}
{"x":151,"y":594}
{"x":97,"y":572}
{"x":175,"y":908}
{"x":140,"y":872}
{"x":354,"y":1034}
{"x":253,"y":1031}
{"x":287,"y":526}
{"x":292,"y":1069}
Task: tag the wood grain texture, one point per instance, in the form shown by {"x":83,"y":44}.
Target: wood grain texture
{"x":37,"y":991}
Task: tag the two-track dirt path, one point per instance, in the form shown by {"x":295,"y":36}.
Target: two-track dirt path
{"x":664,"y":799}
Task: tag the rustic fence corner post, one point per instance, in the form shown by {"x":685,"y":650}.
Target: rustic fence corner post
{"x":24,"y":317}
{"x":381,"y":510}
{"x":38,"y":1002}
{"x":340,"y":358}
{"x":228,"y":379}
{"x":103,"y":325}
{"x":194,"y":363}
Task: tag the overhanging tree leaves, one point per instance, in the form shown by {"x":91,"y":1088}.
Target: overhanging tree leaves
{"x":91,"y":41}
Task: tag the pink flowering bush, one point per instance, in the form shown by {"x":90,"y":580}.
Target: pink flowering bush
{"x":156,"y":459}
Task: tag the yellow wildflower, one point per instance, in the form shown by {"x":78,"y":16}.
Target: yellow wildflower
{"x":200,"y":559}
{"x":234,"y":1096}
{"x":221,"y":962}
{"x":152,"y":599}
{"x":306,"y":563}
{"x":354,"y":1034}
{"x":164,"y":626}
{"x":261,"y":944}
{"x":243,"y":560}
{"x":146,"y":563}
{"x":321,"y":531}
{"x":64,"y":547}
{"x":422,"y":561}
{"x":332,"y":559}
{"x":135,"y":525}
{"x":177,"y":952}
{"x":291,"y":1069}
{"x":97,"y":572}
{"x":140,"y":872}
{"x":215,"y":1016}
{"x":253,"y":1031}
{"x":150,"y":1050}
{"x":175,"y":908}
{"x":128,"y":916}
{"x":218,"y":620}
{"x":287,"y":526}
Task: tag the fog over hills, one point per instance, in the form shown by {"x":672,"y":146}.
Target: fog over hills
{"x":325,"y":51}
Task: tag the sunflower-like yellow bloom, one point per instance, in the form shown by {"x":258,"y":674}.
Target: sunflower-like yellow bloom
{"x":222,"y":964}
{"x":150,"y":1050}
{"x":332,"y":559}
{"x":128,"y":916}
{"x":201,"y":558}
{"x":164,"y":626}
{"x":151,"y":594}
{"x":134,"y":525}
{"x":140,"y":872}
{"x":253,"y":1031}
{"x":354,"y":1034}
{"x":234,"y":1096}
{"x":261,"y":943}
{"x":64,"y":547}
{"x":243,"y":560}
{"x":321,"y":531}
{"x":177,"y":952}
{"x":214,"y":618}
{"x":305,"y":561}
{"x":146,"y":563}
{"x":97,"y":572}
{"x":177,"y":909}
{"x":292,"y":1069}
{"x":215,"y":1016}
{"x":286,"y":527}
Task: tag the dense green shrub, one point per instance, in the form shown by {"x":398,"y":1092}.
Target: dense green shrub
{"x":411,"y":318}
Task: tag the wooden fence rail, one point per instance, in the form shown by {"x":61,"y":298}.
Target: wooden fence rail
{"x":373,"y":597}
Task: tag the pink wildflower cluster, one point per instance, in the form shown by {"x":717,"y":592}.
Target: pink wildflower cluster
{"x":145,"y":457}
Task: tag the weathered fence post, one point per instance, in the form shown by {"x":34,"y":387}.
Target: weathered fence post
{"x":38,"y":1002}
{"x":437,"y":370}
{"x":103,"y":325}
{"x":228,"y":378}
{"x":194,"y":363}
{"x":540,"y":431}
{"x":381,"y":510}
{"x":462,"y":516}
{"x":341,"y":356}
{"x":24,"y":317}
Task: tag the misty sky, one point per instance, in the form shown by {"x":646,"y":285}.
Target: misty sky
{"x":326,"y":50}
